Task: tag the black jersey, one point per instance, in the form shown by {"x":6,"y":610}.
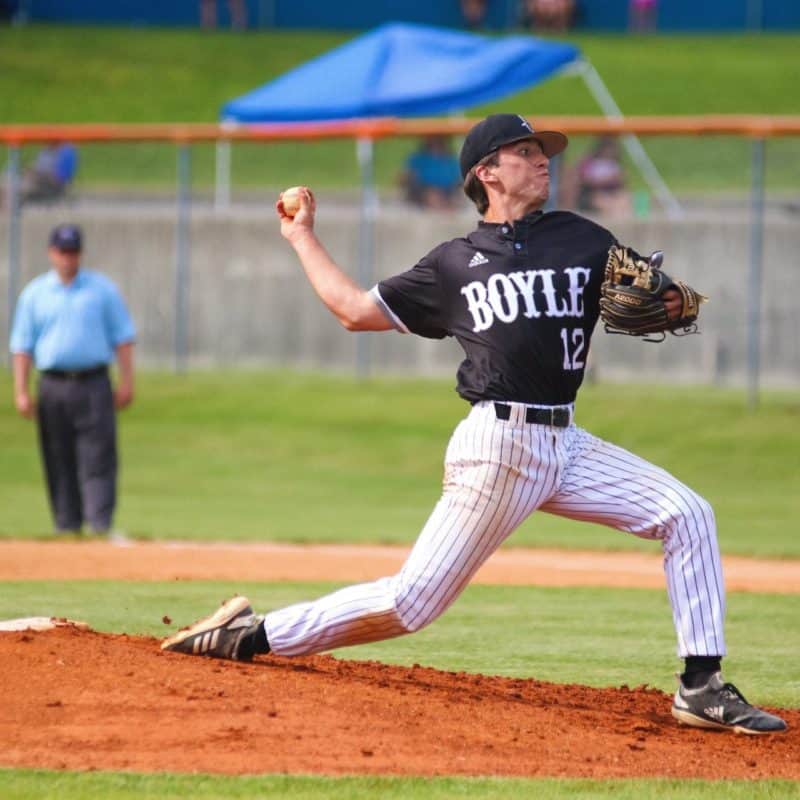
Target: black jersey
{"x":522,"y":299}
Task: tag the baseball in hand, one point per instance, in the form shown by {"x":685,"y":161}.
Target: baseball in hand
{"x":290,"y":199}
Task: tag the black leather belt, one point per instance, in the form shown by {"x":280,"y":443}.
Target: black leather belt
{"x":75,"y":375}
{"x":557,"y":417}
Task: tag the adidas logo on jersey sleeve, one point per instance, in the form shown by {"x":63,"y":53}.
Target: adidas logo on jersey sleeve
{"x":478,"y":259}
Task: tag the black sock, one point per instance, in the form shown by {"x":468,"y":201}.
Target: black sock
{"x":699,"y":669}
{"x":260,"y":643}
{"x":253,"y":643}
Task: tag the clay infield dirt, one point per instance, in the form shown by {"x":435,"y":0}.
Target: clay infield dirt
{"x":78,"y":699}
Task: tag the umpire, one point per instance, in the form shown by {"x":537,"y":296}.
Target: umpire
{"x":71,"y":323}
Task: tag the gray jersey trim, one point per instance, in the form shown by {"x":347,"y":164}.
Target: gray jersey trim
{"x":390,"y":315}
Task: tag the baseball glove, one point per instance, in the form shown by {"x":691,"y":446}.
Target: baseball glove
{"x":631,"y":297}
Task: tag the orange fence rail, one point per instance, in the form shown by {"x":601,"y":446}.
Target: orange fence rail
{"x":750,"y":126}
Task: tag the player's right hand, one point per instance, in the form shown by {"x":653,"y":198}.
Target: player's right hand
{"x":303,"y":221}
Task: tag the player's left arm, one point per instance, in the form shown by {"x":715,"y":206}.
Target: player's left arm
{"x":352,"y":305}
{"x":123,"y":395}
{"x":122,"y":335}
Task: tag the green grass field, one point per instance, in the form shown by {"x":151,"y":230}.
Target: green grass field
{"x":48,"y":785}
{"x":297,"y":457}
{"x":80,"y":74}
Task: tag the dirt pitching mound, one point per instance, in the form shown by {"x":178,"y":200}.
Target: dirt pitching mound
{"x":77,"y":699}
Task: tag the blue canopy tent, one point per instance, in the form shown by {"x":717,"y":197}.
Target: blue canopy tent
{"x":403,"y":70}
{"x":407,"y":70}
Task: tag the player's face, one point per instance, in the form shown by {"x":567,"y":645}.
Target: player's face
{"x":524,"y":172}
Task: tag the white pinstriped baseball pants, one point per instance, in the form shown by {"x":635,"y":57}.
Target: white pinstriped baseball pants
{"x":496,"y":474}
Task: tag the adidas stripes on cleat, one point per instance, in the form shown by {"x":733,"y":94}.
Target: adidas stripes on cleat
{"x":227,"y":633}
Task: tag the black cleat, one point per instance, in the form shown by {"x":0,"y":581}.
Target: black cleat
{"x":722,"y":706}
{"x":221,"y":634}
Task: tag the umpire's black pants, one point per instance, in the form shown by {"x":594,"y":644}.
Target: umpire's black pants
{"x":78,"y":440}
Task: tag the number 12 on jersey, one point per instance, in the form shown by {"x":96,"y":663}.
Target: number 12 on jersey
{"x":573,"y":342}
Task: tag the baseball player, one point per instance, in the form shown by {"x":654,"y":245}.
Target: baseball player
{"x":521,"y":294}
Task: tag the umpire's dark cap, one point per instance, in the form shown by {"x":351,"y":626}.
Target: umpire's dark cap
{"x":500,"y":129}
{"x":67,"y":238}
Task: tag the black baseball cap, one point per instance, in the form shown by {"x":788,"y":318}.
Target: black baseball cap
{"x":499,"y":129}
{"x":66,"y":237}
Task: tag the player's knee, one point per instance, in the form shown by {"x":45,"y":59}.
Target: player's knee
{"x":706,"y":510}
{"x":415,"y":611}
{"x":693,"y":517}
{"x":415,"y":617}
{"x":698,"y":512}
{"x":416,"y":622}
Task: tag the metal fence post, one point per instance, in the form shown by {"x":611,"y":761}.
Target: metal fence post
{"x":222,"y":175}
{"x":755,"y":272}
{"x":14,"y":230}
{"x":366,"y":241}
{"x":183,"y":256}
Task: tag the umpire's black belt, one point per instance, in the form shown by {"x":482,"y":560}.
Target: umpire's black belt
{"x":557,"y":417}
{"x":75,"y":374}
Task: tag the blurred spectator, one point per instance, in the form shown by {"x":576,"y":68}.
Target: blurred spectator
{"x":548,"y":15}
{"x":431,"y":177}
{"x":50,"y":175}
{"x":15,"y":12}
{"x":473,"y":12}
{"x":7,"y":10}
{"x":643,"y":15}
{"x":598,"y":183}
{"x":237,"y":9}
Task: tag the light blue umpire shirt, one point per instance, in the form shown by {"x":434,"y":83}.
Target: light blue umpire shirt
{"x":71,"y":327}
